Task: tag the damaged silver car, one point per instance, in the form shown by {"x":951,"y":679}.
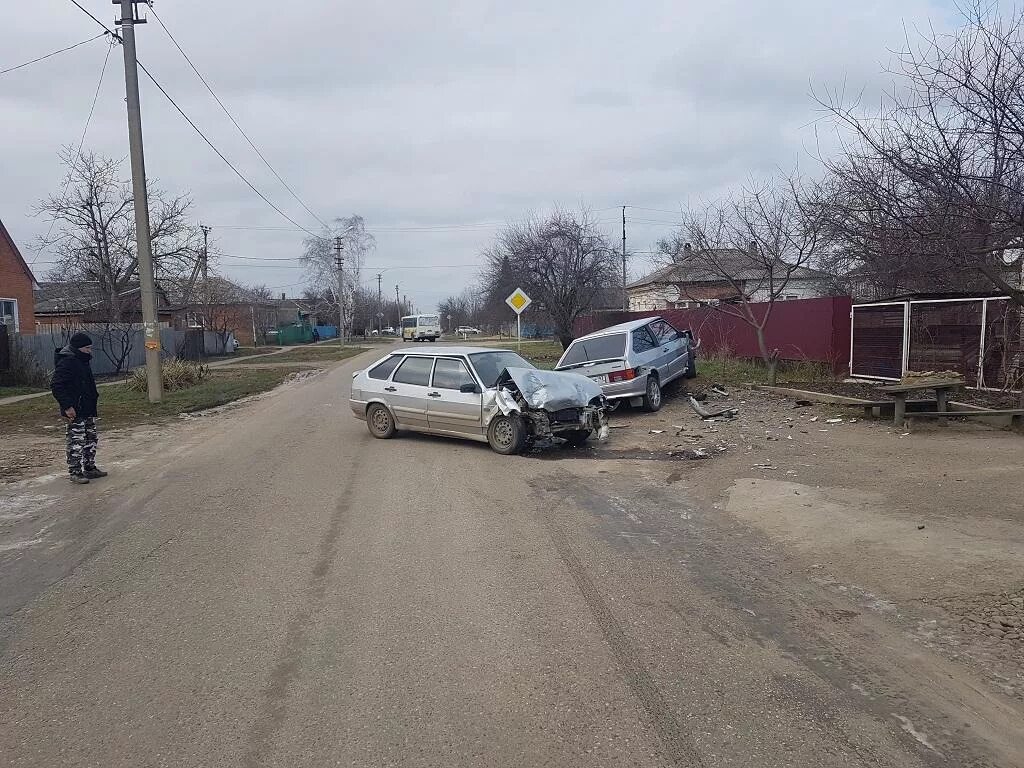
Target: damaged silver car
{"x":489,"y":395}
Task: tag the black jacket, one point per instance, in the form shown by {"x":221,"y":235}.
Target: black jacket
{"x":73,"y":384}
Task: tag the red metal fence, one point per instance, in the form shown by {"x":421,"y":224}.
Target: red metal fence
{"x":808,"y":329}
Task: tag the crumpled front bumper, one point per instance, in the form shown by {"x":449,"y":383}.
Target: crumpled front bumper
{"x":549,"y":402}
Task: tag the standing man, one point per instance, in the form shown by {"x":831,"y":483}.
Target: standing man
{"x":74,"y":388}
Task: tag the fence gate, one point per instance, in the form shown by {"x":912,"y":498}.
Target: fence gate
{"x":192,"y":346}
{"x":878,"y":341}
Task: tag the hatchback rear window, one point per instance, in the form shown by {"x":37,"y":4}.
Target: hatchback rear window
{"x":599,"y":348}
{"x":415,"y":370}
{"x":383,"y":369}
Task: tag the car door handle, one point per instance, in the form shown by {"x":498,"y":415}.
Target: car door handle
{"x":390,"y":389}
{"x":433,"y":394}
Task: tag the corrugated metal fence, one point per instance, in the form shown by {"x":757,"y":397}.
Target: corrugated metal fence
{"x":111,"y":346}
{"x":817,"y":330}
{"x":980,"y":338}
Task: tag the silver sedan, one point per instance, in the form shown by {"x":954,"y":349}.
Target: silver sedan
{"x":488,"y":395}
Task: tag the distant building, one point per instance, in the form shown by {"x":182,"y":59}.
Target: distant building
{"x":17,"y":303}
{"x":63,"y":305}
{"x":690,"y":282}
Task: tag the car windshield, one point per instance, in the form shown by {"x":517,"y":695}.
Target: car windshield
{"x":489,"y":365}
{"x":599,"y":348}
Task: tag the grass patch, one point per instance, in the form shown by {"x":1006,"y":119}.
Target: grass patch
{"x":311,"y":354}
{"x":121,"y":407}
{"x":243,"y":351}
{"x":19,"y":390}
{"x":735,"y":371}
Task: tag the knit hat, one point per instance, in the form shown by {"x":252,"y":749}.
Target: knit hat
{"x":80,"y":340}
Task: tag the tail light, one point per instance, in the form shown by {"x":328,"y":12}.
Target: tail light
{"x":627,"y":375}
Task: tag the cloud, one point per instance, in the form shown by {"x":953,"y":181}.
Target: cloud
{"x":418,"y":115}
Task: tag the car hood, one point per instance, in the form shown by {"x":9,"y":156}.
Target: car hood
{"x":550,"y":390}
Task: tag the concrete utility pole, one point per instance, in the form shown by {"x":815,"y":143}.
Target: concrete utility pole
{"x":380,"y":306}
{"x":206,"y":251}
{"x":625,"y":294}
{"x":129,"y":19}
{"x":339,"y":262}
{"x":398,"y":310}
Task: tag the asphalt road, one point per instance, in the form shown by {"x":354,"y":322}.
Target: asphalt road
{"x":270,"y":586}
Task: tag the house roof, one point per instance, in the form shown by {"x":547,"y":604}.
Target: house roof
{"x":737,"y":263}
{"x":14,"y":249}
{"x":63,"y":297}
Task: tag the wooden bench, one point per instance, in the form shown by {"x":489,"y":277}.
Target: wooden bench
{"x":942,"y":389}
{"x":884,"y":408}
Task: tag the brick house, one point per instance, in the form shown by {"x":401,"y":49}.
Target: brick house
{"x":17,"y":304}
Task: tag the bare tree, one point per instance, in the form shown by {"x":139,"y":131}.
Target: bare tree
{"x":263,"y":313}
{"x":563,"y":262}
{"x":319,"y":259}
{"x":94,"y":240}
{"x":936,"y":173}
{"x":749,"y":245}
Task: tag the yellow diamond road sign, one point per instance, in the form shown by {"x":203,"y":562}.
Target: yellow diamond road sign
{"x":518,"y":301}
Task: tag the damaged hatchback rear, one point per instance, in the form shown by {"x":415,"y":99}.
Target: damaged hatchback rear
{"x":489,"y":395}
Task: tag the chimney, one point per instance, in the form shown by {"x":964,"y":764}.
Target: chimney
{"x":282,"y":296}
{"x":687,"y":249}
{"x":752,"y":248}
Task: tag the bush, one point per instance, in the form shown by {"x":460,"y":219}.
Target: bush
{"x":176,"y":374}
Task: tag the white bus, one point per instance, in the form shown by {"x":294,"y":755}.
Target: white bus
{"x":421,"y":328}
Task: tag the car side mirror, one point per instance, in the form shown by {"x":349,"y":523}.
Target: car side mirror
{"x":468,"y":389}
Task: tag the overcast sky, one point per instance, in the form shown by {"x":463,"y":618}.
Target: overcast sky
{"x":440,"y":121}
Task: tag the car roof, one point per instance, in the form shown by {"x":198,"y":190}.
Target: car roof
{"x":632,"y":325}
{"x":444,"y":349}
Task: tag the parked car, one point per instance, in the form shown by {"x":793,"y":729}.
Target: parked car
{"x":633,"y":361}
{"x":468,"y":330}
{"x":488,"y":395}
{"x":389,"y":331}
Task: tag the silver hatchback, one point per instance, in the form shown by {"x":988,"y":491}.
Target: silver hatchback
{"x":489,"y":395}
{"x":633,"y":361}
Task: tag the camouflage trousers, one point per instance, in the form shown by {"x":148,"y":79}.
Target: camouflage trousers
{"x":82,"y":440}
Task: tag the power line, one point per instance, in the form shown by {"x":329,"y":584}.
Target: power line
{"x":220,"y":154}
{"x":196,"y":128}
{"x":468,"y":227}
{"x":81,"y":142}
{"x":54,"y":53}
{"x":231,"y":117}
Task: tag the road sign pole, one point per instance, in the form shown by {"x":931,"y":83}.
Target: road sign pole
{"x":519,"y":333}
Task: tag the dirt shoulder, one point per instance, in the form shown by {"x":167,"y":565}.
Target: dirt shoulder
{"x":926,"y":529}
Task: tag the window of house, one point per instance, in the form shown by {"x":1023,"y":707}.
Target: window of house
{"x":415,"y":370}
{"x":9,"y":313}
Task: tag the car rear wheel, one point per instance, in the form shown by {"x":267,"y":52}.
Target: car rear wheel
{"x":380,"y":422}
{"x":577,"y":437}
{"x":506,"y":434}
{"x":652,"y":395}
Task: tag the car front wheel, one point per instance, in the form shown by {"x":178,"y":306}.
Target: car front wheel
{"x":380,"y":421}
{"x":652,"y":395}
{"x":506,"y":434}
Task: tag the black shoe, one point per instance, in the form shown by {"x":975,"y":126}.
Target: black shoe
{"x":79,"y":479}
{"x":94,"y":472}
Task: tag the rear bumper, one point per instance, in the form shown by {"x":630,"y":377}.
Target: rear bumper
{"x":358,"y":408}
{"x":621,"y":390}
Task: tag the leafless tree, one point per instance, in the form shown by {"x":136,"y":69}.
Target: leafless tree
{"x":935,"y":174}
{"x":94,"y":240}
{"x":319,"y":259}
{"x":263,"y":315}
{"x":749,"y":246}
{"x":562,"y":261}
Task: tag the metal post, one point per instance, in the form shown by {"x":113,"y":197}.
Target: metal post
{"x":380,"y":307}
{"x":340,"y":263}
{"x":519,"y":333}
{"x":147,"y":284}
{"x":906,"y":340}
{"x":252,"y":311}
{"x":980,"y":378}
{"x":625,"y":294}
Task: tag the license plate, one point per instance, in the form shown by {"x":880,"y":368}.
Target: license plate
{"x":601,"y":378}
